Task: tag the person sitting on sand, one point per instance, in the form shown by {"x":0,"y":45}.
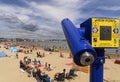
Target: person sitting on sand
{"x":25,"y":59}
{"x":34,"y":71}
{"x":31,"y":50}
{"x":30,"y":72}
{"x":64,"y":72}
{"x":29,"y":60}
{"x":43,"y":74}
{"x":61,"y":55}
{"x":27,"y":51}
{"x":45,"y":66}
{"x":42,"y":77}
{"x":43,"y":54}
{"x":22,"y":65}
{"x":35,"y":61}
{"x":70,"y":55}
{"x":38,"y":75}
{"x":38,"y":54}
{"x":39,"y":63}
{"x":49,"y":67}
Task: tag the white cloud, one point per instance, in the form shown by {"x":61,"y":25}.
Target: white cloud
{"x":21,"y":13}
{"x":59,"y":9}
{"x":24,"y":18}
{"x":112,"y":8}
{"x":46,"y":16}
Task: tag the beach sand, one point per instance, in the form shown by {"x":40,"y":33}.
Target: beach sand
{"x":10,"y":72}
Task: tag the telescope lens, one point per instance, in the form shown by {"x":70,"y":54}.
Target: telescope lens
{"x":87,"y":60}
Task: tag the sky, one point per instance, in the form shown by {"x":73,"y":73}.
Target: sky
{"x":41,"y":19}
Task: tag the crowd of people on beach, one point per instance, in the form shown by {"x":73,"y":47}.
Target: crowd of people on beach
{"x":34,"y":67}
{"x":61,"y":76}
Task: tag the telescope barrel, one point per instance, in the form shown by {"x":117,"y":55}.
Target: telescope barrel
{"x":83,"y":53}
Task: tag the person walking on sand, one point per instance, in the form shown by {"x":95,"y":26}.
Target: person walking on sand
{"x":17,"y":55}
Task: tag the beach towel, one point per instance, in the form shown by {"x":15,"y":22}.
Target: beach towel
{"x":3,"y":54}
{"x":69,"y":64}
{"x":117,"y":61}
{"x":13,"y":49}
{"x":40,"y":65}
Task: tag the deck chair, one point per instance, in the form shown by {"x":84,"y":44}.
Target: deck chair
{"x":71,"y":74}
{"x":60,"y":77}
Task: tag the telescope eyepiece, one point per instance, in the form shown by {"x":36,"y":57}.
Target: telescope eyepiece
{"x":86,"y":58}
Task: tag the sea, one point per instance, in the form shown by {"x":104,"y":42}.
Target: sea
{"x":63,"y":45}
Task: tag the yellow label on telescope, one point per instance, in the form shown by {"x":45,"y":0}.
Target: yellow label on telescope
{"x":105,"y":33}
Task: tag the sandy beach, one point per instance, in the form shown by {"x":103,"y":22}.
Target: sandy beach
{"x":10,"y":71}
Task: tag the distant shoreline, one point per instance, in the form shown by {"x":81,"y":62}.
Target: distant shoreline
{"x":61,"y":45}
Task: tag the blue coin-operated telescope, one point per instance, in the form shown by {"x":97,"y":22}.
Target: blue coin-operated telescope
{"x":87,"y":43}
{"x":83,"y":53}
